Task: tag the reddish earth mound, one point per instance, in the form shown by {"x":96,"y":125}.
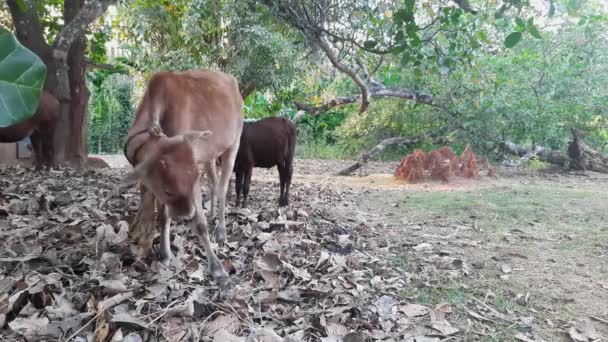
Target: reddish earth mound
{"x":442,"y":164}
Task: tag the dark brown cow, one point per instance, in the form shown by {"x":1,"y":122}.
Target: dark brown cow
{"x":39,"y":127}
{"x":265,"y":143}
{"x":201,"y":113}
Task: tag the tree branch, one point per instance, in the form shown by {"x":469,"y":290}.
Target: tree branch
{"x":401,"y":93}
{"x":378,"y":149}
{"x":464,"y":4}
{"x":76,"y":27}
{"x":90,"y":64}
{"x":324,"y":45}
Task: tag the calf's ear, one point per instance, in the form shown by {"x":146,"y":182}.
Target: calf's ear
{"x":194,"y":136}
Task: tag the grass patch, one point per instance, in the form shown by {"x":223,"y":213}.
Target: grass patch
{"x":314,"y":150}
{"x":503,"y":208}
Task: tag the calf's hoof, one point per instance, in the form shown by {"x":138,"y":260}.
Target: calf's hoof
{"x":155,"y":130}
{"x":165,"y":261}
{"x":218,"y":272}
{"x":283,"y":203}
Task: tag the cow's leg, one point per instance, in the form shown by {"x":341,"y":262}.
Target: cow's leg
{"x":165,"y":231}
{"x":228,"y":159}
{"x":246,"y":185}
{"x":211,"y":172}
{"x":238,"y":185}
{"x":282,"y":181}
{"x":142,"y":229}
{"x":288,"y":174}
{"x":36,"y":140}
{"x":200,"y":228}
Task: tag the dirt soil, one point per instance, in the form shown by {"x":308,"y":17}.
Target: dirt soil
{"x":519,"y":258}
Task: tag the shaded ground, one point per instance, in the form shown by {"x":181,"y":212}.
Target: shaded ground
{"x":518,"y":258}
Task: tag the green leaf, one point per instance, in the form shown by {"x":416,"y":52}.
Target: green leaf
{"x":22,"y":75}
{"x":534,"y":31}
{"x":512,"y":39}
{"x":370,"y":44}
{"x":520,"y":22}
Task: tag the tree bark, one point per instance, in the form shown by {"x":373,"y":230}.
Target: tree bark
{"x":70,"y":138}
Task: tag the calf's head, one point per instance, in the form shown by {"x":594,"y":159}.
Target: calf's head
{"x":170,"y":171}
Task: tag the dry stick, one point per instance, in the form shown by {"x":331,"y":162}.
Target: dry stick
{"x":163,"y":313}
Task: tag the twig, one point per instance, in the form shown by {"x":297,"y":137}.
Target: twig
{"x":115,"y":300}
{"x":599,"y":319}
{"x":496,"y":313}
{"x":84,"y":326}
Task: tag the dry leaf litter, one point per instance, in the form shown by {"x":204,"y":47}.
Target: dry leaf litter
{"x":69,"y":273}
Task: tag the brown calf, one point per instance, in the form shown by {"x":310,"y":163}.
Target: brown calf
{"x":201,"y":113}
{"x":265,"y":143}
{"x":39,"y":126}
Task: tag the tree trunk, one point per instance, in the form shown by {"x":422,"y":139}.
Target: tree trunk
{"x":65,"y":72}
{"x":580,"y":156}
{"x":70,"y":141}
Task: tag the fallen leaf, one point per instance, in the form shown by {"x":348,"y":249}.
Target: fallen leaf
{"x":229,"y":323}
{"x":272,"y":279}
{"x":443,"y":308}
{"x":444,"y":327}
{"x":224,"y":336}
{"x":414,"y":310}
{"x":522,"y":337}
{"x":336,"y":329}
{"x":29,"y":326}
{"x":583,"y":330}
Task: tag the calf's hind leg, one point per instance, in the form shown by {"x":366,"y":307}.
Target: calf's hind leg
{"x":228,"y":159}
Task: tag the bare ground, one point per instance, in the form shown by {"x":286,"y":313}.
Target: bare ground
{"x":520,"y":258}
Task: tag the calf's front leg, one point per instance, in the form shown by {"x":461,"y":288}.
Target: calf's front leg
{"x":201,"y":229}
{"x":165,"y":232}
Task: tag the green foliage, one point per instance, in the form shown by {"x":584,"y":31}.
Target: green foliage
{"x":22,"y":75}
{"x":110,"y":111}
{"x":536,"y":164}
{"x":500,"y":74}
{"x":238,"y":37}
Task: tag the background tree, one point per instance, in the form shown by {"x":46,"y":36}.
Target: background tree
{"x":239,"y":37}
{"x":62,"y":48}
